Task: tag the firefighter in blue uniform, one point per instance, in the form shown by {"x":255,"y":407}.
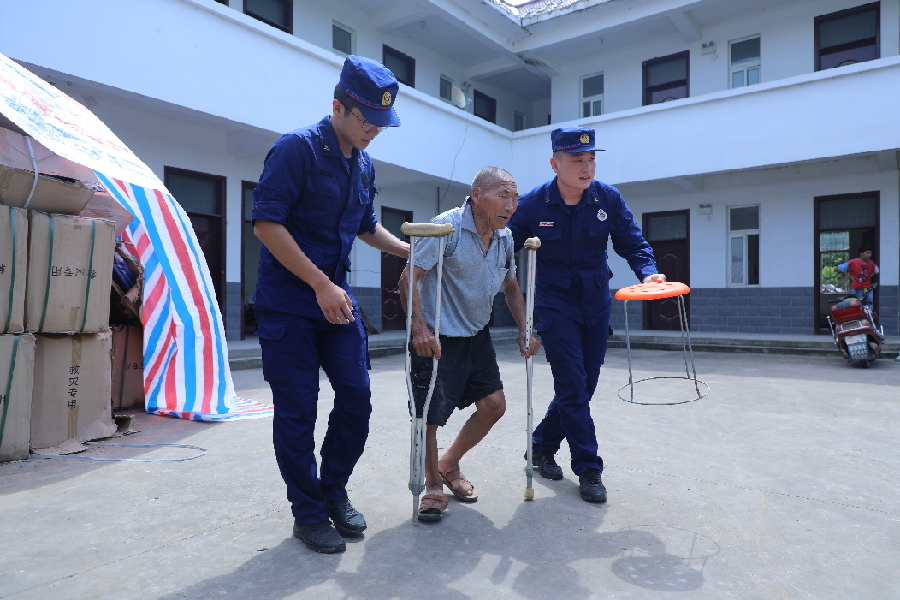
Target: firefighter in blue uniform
{"x":315,"y":196}
{"x":574,"y":215}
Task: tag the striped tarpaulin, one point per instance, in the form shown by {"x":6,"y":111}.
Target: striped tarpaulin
{"x":186,"y":371}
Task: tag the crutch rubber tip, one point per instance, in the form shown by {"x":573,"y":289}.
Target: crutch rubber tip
{"x":529,"y":493}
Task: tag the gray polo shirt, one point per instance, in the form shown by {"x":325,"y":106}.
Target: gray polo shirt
{"x":471,"y":278}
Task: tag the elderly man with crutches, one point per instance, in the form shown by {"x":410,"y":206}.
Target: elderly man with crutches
{"x":477,"y":263}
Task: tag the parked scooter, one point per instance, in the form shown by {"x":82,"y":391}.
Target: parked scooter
{"x":855,"y":332}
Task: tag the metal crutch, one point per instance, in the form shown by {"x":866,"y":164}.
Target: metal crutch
{"x":417,"y":430}
{"x":531,"y":244}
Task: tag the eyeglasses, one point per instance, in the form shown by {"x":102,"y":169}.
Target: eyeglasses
{"x":366,"y":126}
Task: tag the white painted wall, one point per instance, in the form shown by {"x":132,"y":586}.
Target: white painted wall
{"x":786,"y":121}
{"x":786,"y":197}
{"x":787,"y":50}
{"x":209,"y":59}
{"x":246,"y":72}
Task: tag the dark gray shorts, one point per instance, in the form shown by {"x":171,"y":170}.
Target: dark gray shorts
{"x":467,"y":372}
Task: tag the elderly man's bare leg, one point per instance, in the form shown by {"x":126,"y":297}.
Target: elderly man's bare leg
{"x":488,"y":411}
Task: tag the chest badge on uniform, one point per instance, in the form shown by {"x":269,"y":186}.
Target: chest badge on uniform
{"x":601,"y":215}
{"x":546,"y":224}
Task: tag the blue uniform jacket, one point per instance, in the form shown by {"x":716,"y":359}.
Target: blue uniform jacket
{"x":324,"y":200}
{"x":572,"y":271}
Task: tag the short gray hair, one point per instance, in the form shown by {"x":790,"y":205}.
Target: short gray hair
{"x":489,"y":177}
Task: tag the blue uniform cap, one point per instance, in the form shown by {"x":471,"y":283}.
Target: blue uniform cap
{"x":573,"y":139}
{"x":373,"y":87}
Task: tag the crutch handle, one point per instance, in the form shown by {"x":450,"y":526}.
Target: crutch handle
{"x":427,"y":229}
{"x":533,"y":243}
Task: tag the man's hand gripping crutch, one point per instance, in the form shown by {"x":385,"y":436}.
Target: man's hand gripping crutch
{"x":531,"y":245}
{"x":417,"y":431}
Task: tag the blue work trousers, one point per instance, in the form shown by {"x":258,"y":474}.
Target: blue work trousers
{"x":575,"y":353}
{"x":293,"y":349}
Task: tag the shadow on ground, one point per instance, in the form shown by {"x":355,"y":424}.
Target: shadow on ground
{"x":466,"y":555}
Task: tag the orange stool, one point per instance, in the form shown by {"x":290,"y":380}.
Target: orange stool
{"x":656,"y":291}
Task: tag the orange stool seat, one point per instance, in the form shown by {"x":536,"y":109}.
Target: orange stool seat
{"x":653,"y":291}
{"x":658,"y":291}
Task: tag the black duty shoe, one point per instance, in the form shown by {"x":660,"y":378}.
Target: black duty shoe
{"x":590,"y":486}
{"x":347,"y":520}
{"x":546,"y":463}
{"x":320,"y":537}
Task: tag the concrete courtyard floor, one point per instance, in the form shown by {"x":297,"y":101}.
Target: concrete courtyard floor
{"x":782,"y":484}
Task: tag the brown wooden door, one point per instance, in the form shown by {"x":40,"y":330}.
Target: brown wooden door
{"x":392,"y":315}
{"x":669,"y":235}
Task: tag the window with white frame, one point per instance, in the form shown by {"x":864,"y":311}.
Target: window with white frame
{"x":446,"y":88}
{"x":743,"y":245}
{"x":744,"y":62}
{"x":592,"y":95}
{"x":341,"y":38}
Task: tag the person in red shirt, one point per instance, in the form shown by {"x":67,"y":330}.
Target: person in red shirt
{"x":861,"y":271}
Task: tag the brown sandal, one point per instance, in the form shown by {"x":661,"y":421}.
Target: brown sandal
{"x":432,"y":507}
{"x":457,"y":489}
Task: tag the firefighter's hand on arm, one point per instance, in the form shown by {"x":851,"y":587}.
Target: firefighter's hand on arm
{"x":656,"y":278}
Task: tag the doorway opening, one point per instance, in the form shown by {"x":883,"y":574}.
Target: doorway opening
{"x":393,"y":317}
{"x":843,"y":224}
{"x":668,"y":233}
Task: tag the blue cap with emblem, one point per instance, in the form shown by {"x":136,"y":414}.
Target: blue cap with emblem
{"x":573,"y":139}
{"x":373,"y":87}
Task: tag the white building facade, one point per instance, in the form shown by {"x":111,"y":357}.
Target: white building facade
{"x":756,"y":141}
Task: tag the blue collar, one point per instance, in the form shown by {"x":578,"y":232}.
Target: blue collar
{"x":328,"y":138}
{"x":552,"y":195}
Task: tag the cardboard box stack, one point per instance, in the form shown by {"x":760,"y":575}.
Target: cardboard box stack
{"x":61,"y":294}
{"x":57,"y":186}
{"x":103,"y":206}
{"x":127,"y":366}
{"x":128,"y":334}
{"x":69,"y":274}
{"x":71,"y":401}
{"x":13,"y":268}
{"x":16,"y":384}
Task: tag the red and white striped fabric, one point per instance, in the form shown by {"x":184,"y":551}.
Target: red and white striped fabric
{"x":186,"y":371}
